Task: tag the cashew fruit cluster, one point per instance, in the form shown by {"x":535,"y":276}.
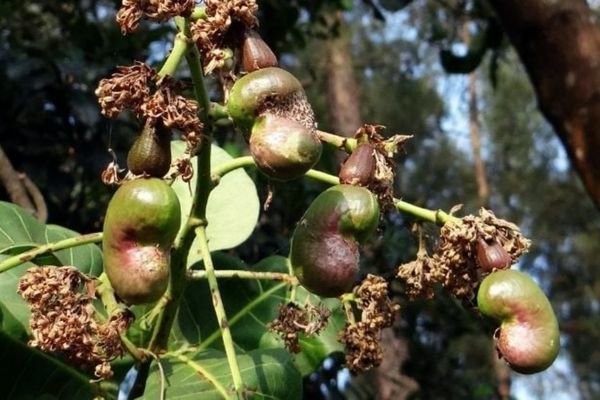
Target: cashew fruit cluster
{"x":270,"y":105}
{"x":142,"y":220}
{"x":325,"y":246}
{"x":528,"y":336}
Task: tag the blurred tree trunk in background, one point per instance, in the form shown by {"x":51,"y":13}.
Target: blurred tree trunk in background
{"x":342,"y":90}
{"x":559,"y":44}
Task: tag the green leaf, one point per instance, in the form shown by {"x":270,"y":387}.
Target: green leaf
{"x":267,"y":374}
{"x":250,"y":306}
{"x":27,"y":373}
{"x":20,"y":232}
{"x":233,"y":205}
{"x":15,"y":311}
{"x":87,"y":258}
{"x":18,"y":228}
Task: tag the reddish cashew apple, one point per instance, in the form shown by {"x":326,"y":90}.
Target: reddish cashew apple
{"x":528,"y":337}
{"x":325,"y":245}
{"x":142,"y":220}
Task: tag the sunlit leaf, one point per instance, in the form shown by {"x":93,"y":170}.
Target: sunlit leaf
{"x":267,"y":374}
{"x":233,"y":205}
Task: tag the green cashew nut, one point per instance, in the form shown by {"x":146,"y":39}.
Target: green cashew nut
{"x":142,"y":220}
{"x":270,"y":105}
{"x":528,"y":337}
{"x":150,"y":154}
{"x":325,"y":246}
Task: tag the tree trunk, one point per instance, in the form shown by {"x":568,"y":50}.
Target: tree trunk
{"x":559,"y":44}
{"x":342,"y":89}
{"x":483,"y":192}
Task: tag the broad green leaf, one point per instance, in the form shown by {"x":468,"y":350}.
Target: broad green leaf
{"x":87,"y":258}
{"x":26,"y":373}
{"x":13,"y":306}
{"x":20,"y":232}
{"x":250,"y":306}
{"x":18,"y":229}
{"x":267,"y":374}
{"x":233,"y":205}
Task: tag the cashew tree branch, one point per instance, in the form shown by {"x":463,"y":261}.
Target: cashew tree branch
{"x":559,"y":45}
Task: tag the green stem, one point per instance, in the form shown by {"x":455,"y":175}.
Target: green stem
{"x":192,"y":57}
{"x":239,"y":274}
{"x":323,"y":177}
{"x":29,"y":255}
{"x":113,"y":307}
{"x":340,"y":142}
{"x":198,"y":13}
{"x":231,"y":165}
{"x":438,"y":217}
{"x":180,"y":46}
{"x":220,"y":311}
{"x":217,"y":111}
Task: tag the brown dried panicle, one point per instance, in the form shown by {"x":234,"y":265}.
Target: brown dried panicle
{"x":63,"y":318}
{"x":293,"y":320}
{"x":142,"y":90}
{"x":378,"y":311}
{"x":419,"y":276}
{"x":174,"y":110}
{"x":132,"y":11}
{"x":210,"y":33}
{"x":127,"y":88}
{"x":454,"y":262}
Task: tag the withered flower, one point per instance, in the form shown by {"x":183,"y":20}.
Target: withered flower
{"x":174,"y":110}
{"x":454,"y":263}
{"x":294,"y":320}
{"x":127,"y":88}
{"x":362,"y":339}
{"x":210,"y":33}
{"x":132,"y":11}
{"x":63,"y":319}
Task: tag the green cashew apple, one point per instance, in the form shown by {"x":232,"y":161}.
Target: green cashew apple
{"x":528,"y":337}
{"x":141,"y":223}
{"x":282,"y":148}
{"x":270,"y":105}
{"x":325,"y":246}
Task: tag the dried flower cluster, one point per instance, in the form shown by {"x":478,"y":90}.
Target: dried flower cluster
{"x":362,"y":339}
{"x":211,"y":33}
{"x":132,"y":11}
{"x":140,"y":89}
{"x":419,"y":276}
{"x":294,"y":320}
{"x":453,"y":264}
{"x":63,"y":318}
